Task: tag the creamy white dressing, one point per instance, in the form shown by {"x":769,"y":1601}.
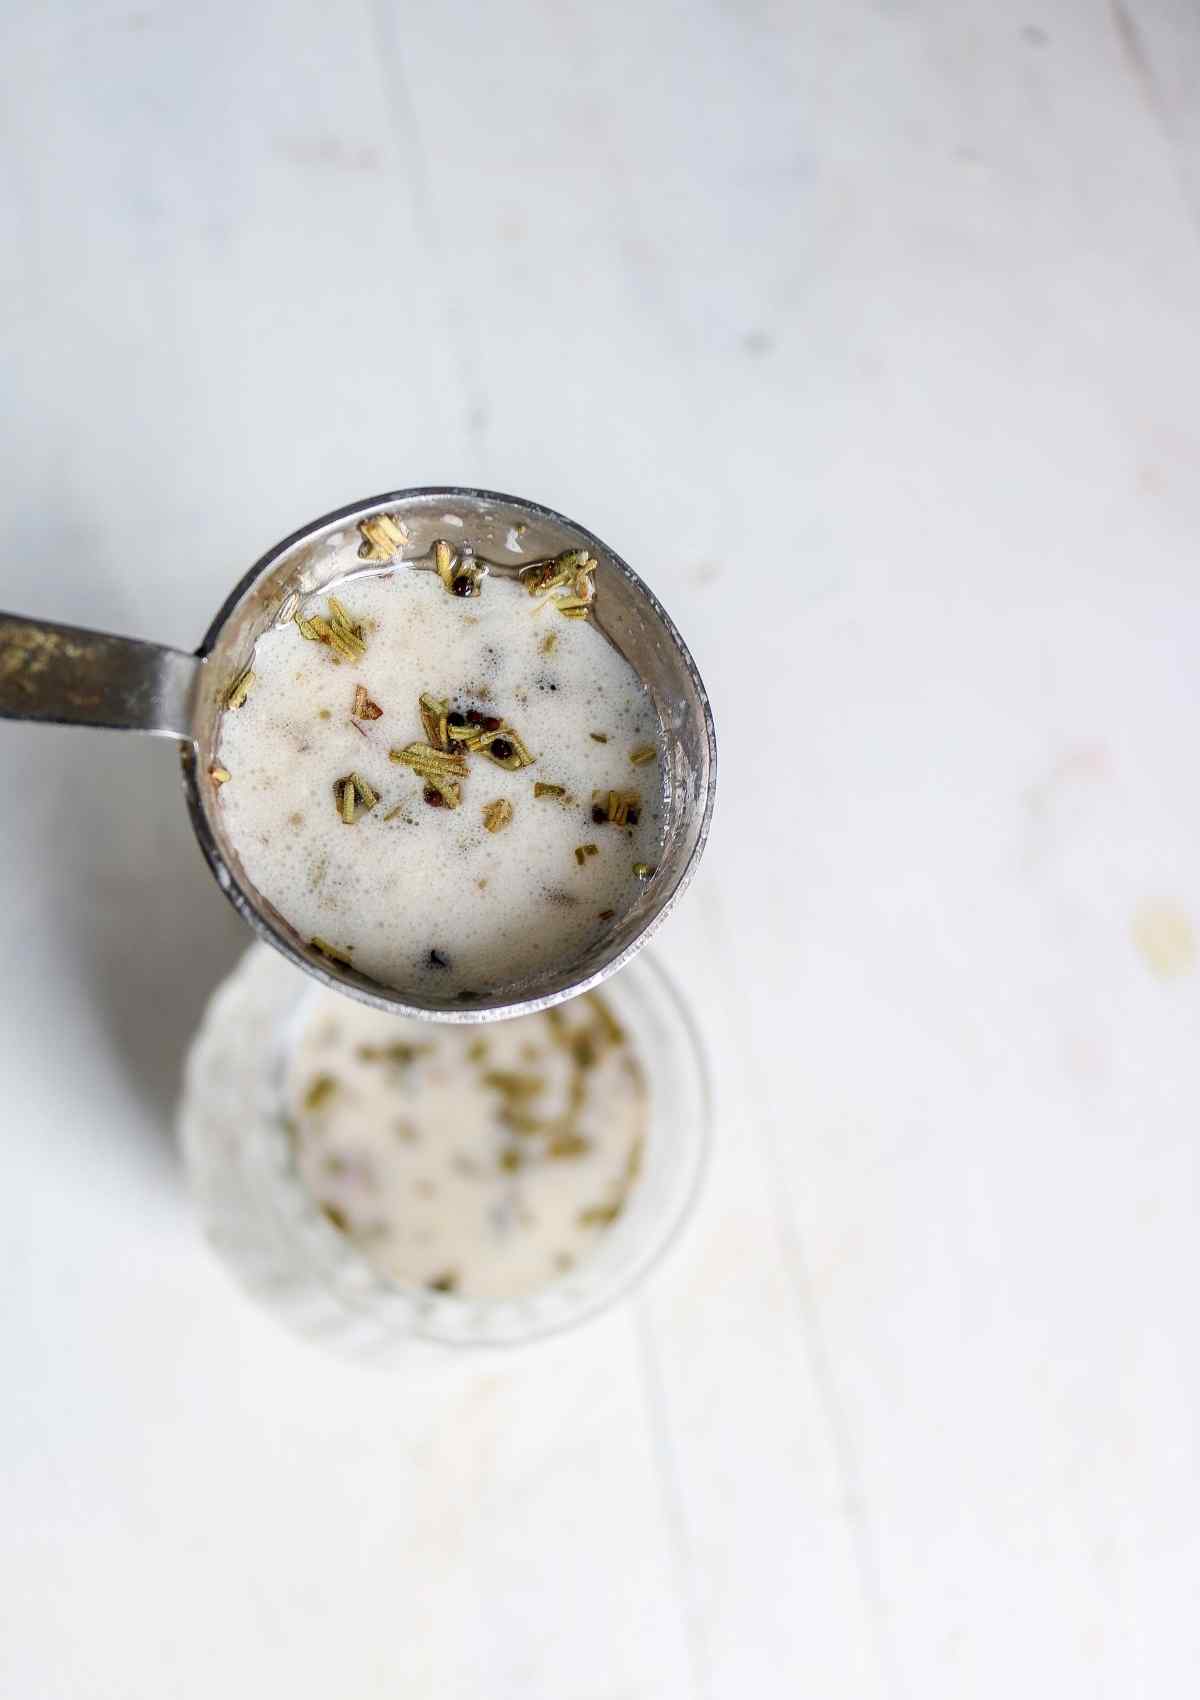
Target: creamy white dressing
{"x":425,"y":898}
{"x":481,"y":1163}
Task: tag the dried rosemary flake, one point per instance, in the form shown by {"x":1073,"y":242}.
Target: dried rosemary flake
{"x":614,"y":806}
{"x":346,"y":633}
{"x":583,"y":851}
{"x":339,"y":632}
{"x":643,"y":754}
{"x":320,"y":1092}
{"x":343,"y":790}
{"x":542,"y":790}
{"x":497,"y":815}
{"x":605,"y":914}
{"x":332,"y":952}
{"x":219,"y":775}
{"x":643,"y":870}
{"x":366,"y":796}
{"x":433,"y":720}
{"x":288,"y":607}
{"x":443,"y":557}
{"x":237,"y":693}
{"x":569,"y":604}
{"x":599,"y":1215}
{"x":350,"y":648}
{"x":382,"y":538}
{"x":573,"y":613}
{"x":518,"y":1122}
{"x":568,"y":1145}
{"x":429,"y":762}
{"x":512,"y":753}
{"x":598,"y":737}
{"x":513,"y":1084}
{"x":364,"y":708}
{"x":392,"y":813}
{"x":583,"y":1049}
{"x":398,"y":1052}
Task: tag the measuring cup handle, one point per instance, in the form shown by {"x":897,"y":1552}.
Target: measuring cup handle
{"x":77,"y":678}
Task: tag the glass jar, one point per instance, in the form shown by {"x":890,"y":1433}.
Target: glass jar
{"x":272,"y":1234}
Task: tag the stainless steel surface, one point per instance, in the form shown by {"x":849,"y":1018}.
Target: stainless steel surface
{"x":77,"y":678}
{"x":53,"y":673}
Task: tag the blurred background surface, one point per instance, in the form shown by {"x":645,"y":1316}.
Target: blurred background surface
{"x":870,"y":334}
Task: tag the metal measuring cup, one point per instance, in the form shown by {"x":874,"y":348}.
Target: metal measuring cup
{"x":72,"y":677}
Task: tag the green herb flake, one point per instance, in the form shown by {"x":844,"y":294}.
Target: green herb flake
{"x":429,"y":762}
{"x":497,"y":815}
{"x":239,"y":690}
{"x":443,"y":557}
{"x":433,"y":720}
{"x":320,"y":1091}
{"x":332,"y":952}
{"x":382,"y":538}
{"x":568,"y":1145}
{"x":400,"y":1052}
{"x":599,"y":1215}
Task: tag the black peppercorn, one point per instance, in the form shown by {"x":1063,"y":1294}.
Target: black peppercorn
{"x":501,"y":749}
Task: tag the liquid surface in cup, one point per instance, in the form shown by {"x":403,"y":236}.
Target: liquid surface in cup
{"x":483,"y":1165}
{"x":480,"y":847}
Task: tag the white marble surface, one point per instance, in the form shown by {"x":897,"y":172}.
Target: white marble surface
{"x":871,"y":334}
